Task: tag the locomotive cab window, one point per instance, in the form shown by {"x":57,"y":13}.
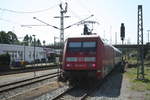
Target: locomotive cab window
{"x":89,"y":46}
{"x":75,"y":44}
{"x":82,"y":46}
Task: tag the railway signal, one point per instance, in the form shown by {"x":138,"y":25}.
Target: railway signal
{"x":122,"y":35}
{"x":122,"y":32}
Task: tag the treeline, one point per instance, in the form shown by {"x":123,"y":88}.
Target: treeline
{"x":147,"y":51}
{"x":11,"y":38}
{"x":29,"y":40}
{"x":8,"y":38}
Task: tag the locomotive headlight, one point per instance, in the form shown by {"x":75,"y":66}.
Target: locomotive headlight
{"x":91,"y":65}
{"x":68,"y":65}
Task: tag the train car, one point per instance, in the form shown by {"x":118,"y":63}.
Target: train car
{"x":88,"y":57}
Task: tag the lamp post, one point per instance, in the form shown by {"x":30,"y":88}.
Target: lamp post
{"x":55,"y":43}
{"x":44,"y":52}
{"x":24,"y":51}
{"x":34,"y":54}
{"x":34,"y":49}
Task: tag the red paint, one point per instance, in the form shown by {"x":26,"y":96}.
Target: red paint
{"x":104,"y":54}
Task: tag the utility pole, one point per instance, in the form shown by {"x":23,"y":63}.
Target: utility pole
{"x":148,"y":35}
{"x":62,"y":12}
{"x":44,"y":50}
{"x":115,"y":37}
{"x":140,"y":57}
{"x":55,"y":43}
{"x":34,"y":54}
{"x":34,"y":49}
{"x":24,"y":51}
{"x":110,"y":34}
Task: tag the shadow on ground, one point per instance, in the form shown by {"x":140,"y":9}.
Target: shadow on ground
{"x":110,"y":88}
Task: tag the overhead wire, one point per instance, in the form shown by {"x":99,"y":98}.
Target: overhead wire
{"x":9,"y":21}
{"x":82,"y":3}
{"x":23,"y":12}
{"x":84,"y":6}
{"x":75,"y":14}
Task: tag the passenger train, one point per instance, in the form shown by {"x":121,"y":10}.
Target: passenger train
{"x":88,"y":57}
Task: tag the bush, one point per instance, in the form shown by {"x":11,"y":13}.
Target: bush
{"x":4,"y":59}
{"x":37,"y":60}
{"x":43,"y":60}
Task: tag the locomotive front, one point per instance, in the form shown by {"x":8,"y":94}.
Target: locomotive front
{"x":80,"y":55}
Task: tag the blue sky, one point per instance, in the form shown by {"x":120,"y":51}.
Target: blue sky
{"x":109,"y":13}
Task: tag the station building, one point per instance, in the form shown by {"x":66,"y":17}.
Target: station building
{"x":24,"y":53}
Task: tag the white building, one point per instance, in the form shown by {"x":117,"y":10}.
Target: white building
{"x":23,"y":53}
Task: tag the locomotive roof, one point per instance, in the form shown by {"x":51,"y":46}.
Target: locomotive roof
{"x":85,"y":36}
{"x":97,"y":37}
{"x":109,"y":45}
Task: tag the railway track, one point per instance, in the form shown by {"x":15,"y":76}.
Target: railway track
{"x":92,"y":90}
{"x":82,"y":95}
{"x":85,"y":93}
{"x":28,"y":69}
{"x":58,"y":97}
{"x":65,"y":95}
{"x":17,"y":84}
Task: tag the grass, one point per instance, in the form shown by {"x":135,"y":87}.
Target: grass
{"x":147,"y":96}
{"x":136,"y":84}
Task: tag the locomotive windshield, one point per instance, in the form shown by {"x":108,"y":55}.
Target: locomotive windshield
{"x":75,"y":45}
{"x":82,"y":46}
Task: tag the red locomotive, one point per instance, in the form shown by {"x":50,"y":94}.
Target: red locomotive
{"x":88,"y":57}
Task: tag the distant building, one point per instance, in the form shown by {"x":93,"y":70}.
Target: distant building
{"x":25,"y":53}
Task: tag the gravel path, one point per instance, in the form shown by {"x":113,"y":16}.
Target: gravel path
{"x":5,"y":79}
{"x":22,"y":92}
{"x":117,"y":88}
{"x":38,"y":92}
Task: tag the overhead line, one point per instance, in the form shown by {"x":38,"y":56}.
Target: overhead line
{"x":9,"y":21}
{"x":22,"y":12}
{"x":76,"y":15}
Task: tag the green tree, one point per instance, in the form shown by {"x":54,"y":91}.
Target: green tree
{"x":12,"y":37}
{"x":146,"y":50}
{"x":4,"y":38}
{"x":26,"y":40}
{"x":38,"y":42}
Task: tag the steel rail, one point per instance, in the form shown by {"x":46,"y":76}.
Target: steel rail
{"x":28,"y":69}
{"x":14,"y":85}
{"x":63,"y":93}
{"x":91,"y":91}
